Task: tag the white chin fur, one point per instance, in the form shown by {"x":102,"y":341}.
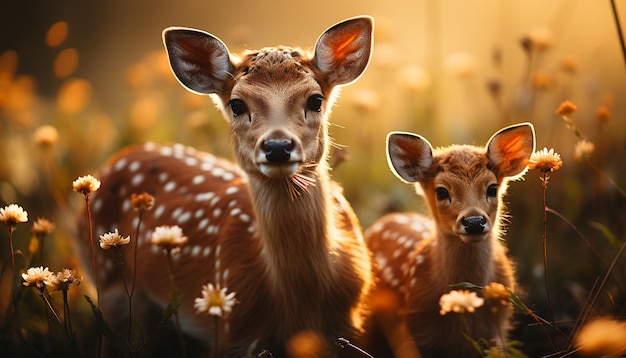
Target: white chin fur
{"x":279,"y":170}
{"x":472,"y":239}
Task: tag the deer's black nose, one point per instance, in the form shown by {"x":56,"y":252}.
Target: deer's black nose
{"x":474,"y":224}
{"x":277,"y":151}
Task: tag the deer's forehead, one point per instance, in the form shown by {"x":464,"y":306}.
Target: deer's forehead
{"x":275,"y":65}
{"x":463,"y":164}
{"x":275,"y":73}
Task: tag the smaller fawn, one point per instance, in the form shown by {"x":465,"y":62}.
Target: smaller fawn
{"x":419,"y":258}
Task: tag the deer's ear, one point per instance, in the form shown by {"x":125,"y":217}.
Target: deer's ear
{"x":343,"y":51}
{"x":409,"y":156}
{"x":510,"y":149}
{"x":199,"y":60}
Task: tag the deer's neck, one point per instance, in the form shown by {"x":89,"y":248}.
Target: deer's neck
{"x":294,"y":232}
{"x":471,"y":263}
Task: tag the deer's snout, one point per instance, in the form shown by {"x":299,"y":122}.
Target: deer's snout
{"x":473,"y":226}
{"x":278,"y":154}
{"x":277,"y":151}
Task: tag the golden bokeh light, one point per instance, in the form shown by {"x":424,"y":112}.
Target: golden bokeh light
{"x":57,"y":34}
{"x":65,"y":63}
{"x":74,"y":95}
{"x":8,"y":62}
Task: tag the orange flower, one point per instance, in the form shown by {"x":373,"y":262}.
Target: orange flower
{"x":142,"y":201}
{"x":566,"y":108}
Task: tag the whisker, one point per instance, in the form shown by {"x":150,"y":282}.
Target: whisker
{"x":302,"y":181}
{"x":293,"y":192}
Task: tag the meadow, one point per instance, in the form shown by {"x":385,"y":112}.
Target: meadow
{"x":564,"y":229}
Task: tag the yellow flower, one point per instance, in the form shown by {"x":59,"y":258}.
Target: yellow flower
{"x":583,"y":149}
{"x":112,"y":239}
{"x":13,"y":214}
{"x":86,"y":184}
{"x":602,"y":337}
{"x":143,"y":201}
{"x":46,"y":136}
{"x":62,"y":280}
{"x":497,"y":293}
{"x":168,"y":237}
{"x":215,"y":301}
{"x":545,"y":160}
{"x":459,"y":301}
{"x":33,"y":245}
{"x":541,"y":80}
{"x":38,"y":276}
{"x":42,"y":227}
{"x":569,"y":64}
{"x":603,"y":114}
{"x":566,"y":108}
{"x":540,"y":38}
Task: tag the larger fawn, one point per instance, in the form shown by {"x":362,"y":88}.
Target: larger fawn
{"x":274,"y":229}
{"x":418,"y":258}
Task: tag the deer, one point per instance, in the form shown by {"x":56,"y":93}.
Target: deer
{"x":272,"y":227}
{"x":418,"y":258}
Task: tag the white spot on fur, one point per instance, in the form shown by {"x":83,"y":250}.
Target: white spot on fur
{"x":232,"y":190}
{"x":203,"y":223}
{"x":137,"y":179}
{"x":198,"y":179}
{"x":169,"y":186}
{"x":120,"y":164}
{"x":195,"y":252}
{"x":126,"y":205}
{"x":159,"y":211}
{"x":97,"y":205}
{"x":191,"y":161}
{"x":183,"y":218}
{"x":204,"y":196}
{"x":401,"y":219}
{"x":134,"y":166}
{"x":166,"y":151}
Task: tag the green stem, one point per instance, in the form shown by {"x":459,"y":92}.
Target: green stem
{"x":181,"y":340}
{"x":217,"y":322}
{"x":132,"y":287}
{"x":91,"y":245}
{"x":619,"y":29}
{"x":11,"y":229}
{"x":66,"y":314}
{"x":51,"y":308}
{"x":545,"y":244}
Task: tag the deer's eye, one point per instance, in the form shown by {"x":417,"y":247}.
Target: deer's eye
{"x":492,"y":190}
{"x":314,"y":103}
{"x":238,"y":107}
{"x":442,"y":193}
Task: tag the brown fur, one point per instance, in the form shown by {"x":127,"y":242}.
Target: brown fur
{"x":293,"y":254}
{"x":418,"y":258}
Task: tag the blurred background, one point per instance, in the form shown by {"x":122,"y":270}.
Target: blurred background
{"x":79,"y":80}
